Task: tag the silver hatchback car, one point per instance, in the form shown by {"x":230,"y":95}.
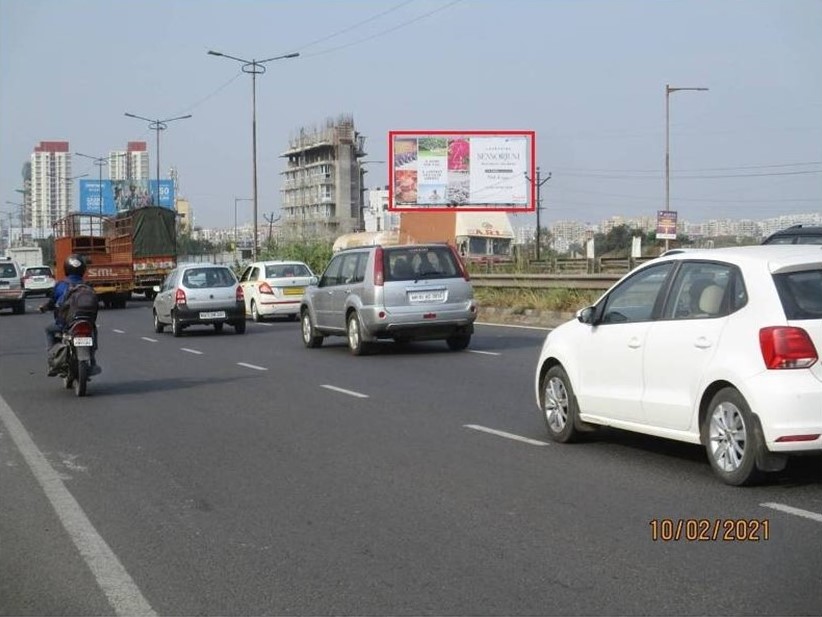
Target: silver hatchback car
{"x":199,"y":294}
{"x":404,"y":293}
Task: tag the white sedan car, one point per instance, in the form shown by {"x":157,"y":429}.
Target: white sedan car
{"x":713,"y":347}
{"x":274,"y":288}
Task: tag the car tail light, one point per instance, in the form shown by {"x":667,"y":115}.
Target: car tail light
{"x":82,"y":328}
{"x":240,"y":296}
{"x":460,"y":265}
{"x":811,"y":437}
{"x":786,"y":347}
{"x":179,"y":296}
{"x":379,"y":274}
{"x":265,"y":288}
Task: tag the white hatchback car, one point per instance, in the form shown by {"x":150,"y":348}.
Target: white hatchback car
{"x":274,"y":288}
{"x":713,"y":347}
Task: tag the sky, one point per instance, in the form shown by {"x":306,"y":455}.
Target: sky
{"x":588,"y":76}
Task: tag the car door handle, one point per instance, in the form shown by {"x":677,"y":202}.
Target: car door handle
{"x":634,"y":343}
{"x":702,"y":343}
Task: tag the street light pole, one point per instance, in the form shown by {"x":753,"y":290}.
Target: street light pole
{"x":100,"y":161}
{"x":668,"y":90}
{"x":254,"y":67}
{"x":157,"y":126}
{"x":19,"y":219}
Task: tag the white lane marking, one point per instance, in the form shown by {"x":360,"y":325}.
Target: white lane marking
{"x":492,"y":431}
{"x":344,"y":391}
{"x":150,"y":340}
{"x":118,"y":586}
{"x":505,"y":325}
{"x":814,"y":516}
{"x":119,"y":331}
{"x":485,"y":353}
{"x":194,"y":351}
{"x":254,"y":366}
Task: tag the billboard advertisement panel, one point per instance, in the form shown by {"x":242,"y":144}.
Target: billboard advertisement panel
{"x":112,"y":196}
{"x":666,"y":224}
{"x":467,"y":170}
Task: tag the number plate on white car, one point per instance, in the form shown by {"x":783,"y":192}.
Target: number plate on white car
{"x":83,"y":341}
{"x":424,"y":297}
{"x":212,"y":315}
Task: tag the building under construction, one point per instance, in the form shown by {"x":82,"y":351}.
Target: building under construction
{"x":322,"y":187}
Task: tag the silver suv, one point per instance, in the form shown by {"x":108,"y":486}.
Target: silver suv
{"x":404,"y":293}
{"x":12,"y":293}
{"x":199,"y":294}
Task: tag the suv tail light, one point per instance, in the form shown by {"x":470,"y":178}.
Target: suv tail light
{"x":264,"y":288}
{"x":786,"y":347}
{"x":460,"y":265}
{"x":179,"y":297}
{"x":379,"y":272}
{"x":239,"y":296}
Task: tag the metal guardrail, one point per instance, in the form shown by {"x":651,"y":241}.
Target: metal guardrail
{"x":545,"y":281}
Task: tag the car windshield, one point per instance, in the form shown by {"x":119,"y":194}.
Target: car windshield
{"x":418,"y":262}
{"x":801,"y":293}
{"x":286,"y":271}
{"x":208,"y":277}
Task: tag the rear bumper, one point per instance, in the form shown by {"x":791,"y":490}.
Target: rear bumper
{"x":279,"y":307}
{"x":437,"y":326}
{"x":190,"y":317}
{"x":12,"y":297}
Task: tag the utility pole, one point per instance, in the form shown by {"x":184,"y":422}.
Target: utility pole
{"x":271,"y":220}
{"x":539,"y":184}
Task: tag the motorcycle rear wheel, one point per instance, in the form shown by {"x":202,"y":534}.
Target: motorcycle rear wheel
{"x":82,"y":378}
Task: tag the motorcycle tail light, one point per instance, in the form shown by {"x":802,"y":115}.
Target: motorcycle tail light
{"x":82,"y":328}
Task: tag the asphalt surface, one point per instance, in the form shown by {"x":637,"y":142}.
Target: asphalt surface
{"x":224,"y":474}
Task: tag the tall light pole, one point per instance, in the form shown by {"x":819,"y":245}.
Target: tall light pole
{"x":254,"y":67}
{"x":668,"y":90}
{"x":19,"y":219}
{"x":236,"y":199}
{"x":100,"y":161}
{"x":158,"y":125}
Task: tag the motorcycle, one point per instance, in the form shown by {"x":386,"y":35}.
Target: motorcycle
{"x":78,"y":363}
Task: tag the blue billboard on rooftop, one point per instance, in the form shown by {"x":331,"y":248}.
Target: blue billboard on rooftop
{"x":122,"y":195}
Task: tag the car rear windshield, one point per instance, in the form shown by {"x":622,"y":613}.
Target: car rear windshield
{"x":7,"y":271}
{"x":39,"y":271}
{"x":197,"y":278}
{"x":801,"y":293}
{"x":419,"y":262}
{"x":286,"y":271}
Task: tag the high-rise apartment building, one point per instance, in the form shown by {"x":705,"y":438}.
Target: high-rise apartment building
{"x":129,"y":164}
{"x":51,"y":190}
{"x":322,"y":184}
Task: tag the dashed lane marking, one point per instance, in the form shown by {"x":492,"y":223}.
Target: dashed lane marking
{"x":814,"y":516}
{"x":252,"y":366}
{"x":491,"y":431}
{"x":505,"y":325}
{"x":485,"y":353}
{"x":344,"y":391}
{"x":119,"y":331}
{"x":150,"y":340}
{"x":194,"y":351}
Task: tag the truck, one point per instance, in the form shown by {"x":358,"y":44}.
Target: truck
{"x":105,"y":243}
{"x":153,"y":231}
{"x":478,"y":236}
{"x":26,"y":256}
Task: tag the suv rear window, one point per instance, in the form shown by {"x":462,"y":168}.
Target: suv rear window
{"x":44,"y":271}
{"x":419,"y":262}
{"x":7,"y":271}
{"x":800,"y":293}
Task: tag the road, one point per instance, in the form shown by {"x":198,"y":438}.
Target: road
{"x":246,"y":475}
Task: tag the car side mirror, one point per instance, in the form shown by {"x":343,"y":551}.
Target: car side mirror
{"x":314,"y":281}
{"x":156,"y":289}
{"x":586,"y":315}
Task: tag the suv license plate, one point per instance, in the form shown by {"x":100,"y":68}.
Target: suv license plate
{"x":426,"y":296}
{"x":212,"y":315}
{"x":83,"y":341}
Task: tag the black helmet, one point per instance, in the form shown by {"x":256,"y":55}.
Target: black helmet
{"x":75,"y":264}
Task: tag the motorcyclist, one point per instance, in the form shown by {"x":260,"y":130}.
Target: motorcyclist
{"x":75,"y":267}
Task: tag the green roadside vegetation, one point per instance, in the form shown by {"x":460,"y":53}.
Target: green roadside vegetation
{"x":521,"y":300}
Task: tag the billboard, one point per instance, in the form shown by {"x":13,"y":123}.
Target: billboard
{"x":666,"y":224}
{"x":120,"y":195}
{"x":467,"y":170}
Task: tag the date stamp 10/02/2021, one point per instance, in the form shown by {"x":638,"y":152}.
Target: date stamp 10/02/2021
{"x":710,"y":530}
